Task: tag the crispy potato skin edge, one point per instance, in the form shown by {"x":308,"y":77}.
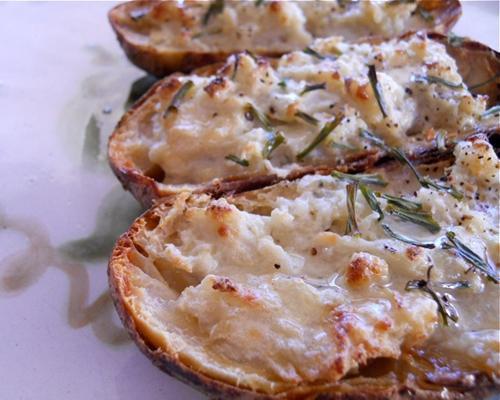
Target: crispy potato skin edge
{"x":119,"y":265}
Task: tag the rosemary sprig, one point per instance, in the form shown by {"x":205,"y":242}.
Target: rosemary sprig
{"x":372,"y":201}
{"x":377,"y":89}
{"x":206,"y":33}
{"x":491,"y":111}
{"x":352,"y":225}
{"x":237,"y":160}
{"x":252,"y":113}
{"x":398,"y":2}
{"x":437,"y":80}
{"x":417,"y":217}
{"x":367,"y":179}
{"x":310,"y":88}
{"x":445,"y":308}
{"x":401,"y":202}
{"x":493,"y":78}
{"x":469,"y":256}
{"x":236,"y":65}
{"x":306,"y":117}
{"x":322,"y":135}
{"x":216,"y":7}
{"x":272,"y":143}
{"x":399,"y":155}
{"x":441,"y":140}
{"x":310,"y":51}
{"x":406,"y":239}
{"x":179,"y":95}
{"x":454,"y":285}
{"x":455,"y":40}
{"x":344,"y":146}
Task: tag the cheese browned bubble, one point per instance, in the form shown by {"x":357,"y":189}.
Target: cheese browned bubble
{"x":264,"y":290}
{"x":213,"y":119}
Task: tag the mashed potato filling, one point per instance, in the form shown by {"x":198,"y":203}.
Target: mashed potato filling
{"x":265,"y":290}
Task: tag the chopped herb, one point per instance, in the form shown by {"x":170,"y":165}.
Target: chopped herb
{"x":216,"y":7}
{"x":258,"y":2}
{"x":491,"y":111}
{"x":437,"y":80}
{"x":272,"y":143}
{"x":352,"y":225}
{"x":493,"y":78}
{"x":367,"y":179}
{"x":322,"y":135}
{"x":377,"y":89}
{"x":398,"y":154}
{"x":237,"y":160}
{"x":468,"y":255}
{"x":308,"y":50}
{"x":344,"y":146}
{"x":406,"y":239}
{"x":371,"y":200}
{"x":426,"y":15}
{"x":402,"y":203}
{"x":176,"y":100}
{"x":441,"y":140}
{"x":310,"y":88}
{"x":445,"y":308}
{"x":235,"y":68}
{"x":206,"y":33}
{"x":455,"y":40}
{"x":454,"y":285}
{"x":252,"y":113}
{"x":138,"y":13}
{"x":417,"y":217}
{"x":398,"y":2}
{"x":306,"y":117}
{"x":282,"y":84}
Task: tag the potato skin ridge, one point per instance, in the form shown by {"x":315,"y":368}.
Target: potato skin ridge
{"x":445,"y":14}
{"x":119,"y":284}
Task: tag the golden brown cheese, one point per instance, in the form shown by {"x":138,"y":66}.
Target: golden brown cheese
{"x":280,"y":296}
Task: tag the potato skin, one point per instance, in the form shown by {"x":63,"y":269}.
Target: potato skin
{"x":162,"y":63}
{"x":118,"y":269}
{"x":476,"y":63}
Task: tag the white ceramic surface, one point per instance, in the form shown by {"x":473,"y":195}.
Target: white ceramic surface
{"x":61,"y":208}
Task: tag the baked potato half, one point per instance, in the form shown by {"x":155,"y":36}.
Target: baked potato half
{"x":163,"y":37}
{"x":313,"y":289}
{"x":252,"y":121}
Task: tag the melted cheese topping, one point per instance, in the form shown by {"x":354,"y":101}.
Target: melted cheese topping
{"x":265,"y":290}
{"x":213,"y":121}
{"x":245,"y":25}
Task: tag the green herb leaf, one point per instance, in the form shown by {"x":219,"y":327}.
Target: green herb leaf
{"x":252,"y":113}
{"x":398,"y":2}
{"x":308,"y":50}
{"x":237,"y":160}
{"x":445,"y":309}
{"x":377,"y":89}
{"x":441,"y":140}
{"x":310,"y":88}
{"x":491,"y":111}
{"x":282,"y":84}
{"x":236,"y":65}
{"x":176,"y":100}
{"x":322,"y":135}
{"x":417,"y":217}
{"x":343,"y":146}
{"x":367,"y":179}
{"x":455,"y":40}
{"x":402,"y":203}
{"x":216,"y":7}
{"x":437,"y":80}
{"x":352,"y":225}
{"x":468,"y":255}
{"x":406,"y":239}
{"x":258,"y":2}
{"x":272,"y":143}
{"x":477,"y":85}
{"x":306,"y":117}
{"x":371,"y":200}
{"x":429,"y":183}
{"x":454,"y":285}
